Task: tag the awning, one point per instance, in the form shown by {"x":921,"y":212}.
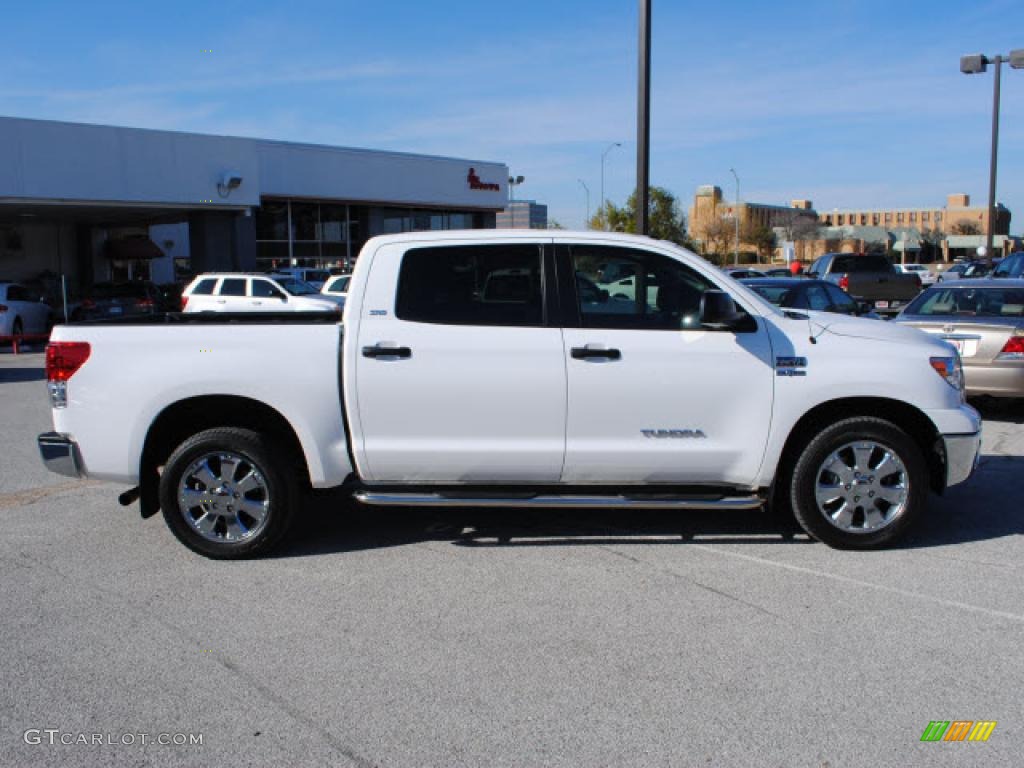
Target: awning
{"x":134,"y":248}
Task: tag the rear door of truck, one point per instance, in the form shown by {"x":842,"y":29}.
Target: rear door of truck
{"x":459,"y":376}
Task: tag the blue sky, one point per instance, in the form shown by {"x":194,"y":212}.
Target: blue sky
{"x":851,"y":104}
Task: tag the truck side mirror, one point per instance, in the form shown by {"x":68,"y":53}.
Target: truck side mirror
{"x":718,"y":311}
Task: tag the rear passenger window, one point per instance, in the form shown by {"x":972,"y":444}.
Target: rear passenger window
{"x":472,"y":285}
{"x":264,"y":289}
{"x":205,"y":287}
{"x":16,"y":293}
{"x":233,"y":286}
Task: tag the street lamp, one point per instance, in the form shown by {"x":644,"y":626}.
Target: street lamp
{"x":604,"y":154}
{"x":587,"y":190}
{"x":736,"y":216}
{"x":973,"y":65}
{"x":513,"y":182}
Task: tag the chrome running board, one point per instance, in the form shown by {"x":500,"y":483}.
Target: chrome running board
{"x":553,"y":501}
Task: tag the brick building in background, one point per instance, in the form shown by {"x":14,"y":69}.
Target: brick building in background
{"x":914,"y":234}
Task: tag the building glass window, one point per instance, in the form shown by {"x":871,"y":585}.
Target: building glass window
{"x":272,"y":221}
{"x":305,"y":221}
{"x":334,"y":223}
{"x":314,"y":234}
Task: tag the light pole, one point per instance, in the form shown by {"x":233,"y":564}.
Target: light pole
{"x":643,"y":119}
{"x":736,"y":217}
{"x":587,"y":190}
{"x":604,"y":219}
{"x":513,"y":182}
{"x":972,"y":65}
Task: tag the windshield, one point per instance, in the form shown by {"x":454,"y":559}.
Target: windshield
{"x":296,"y":287}
{"x":319,"y":275}
{"x":971,"y":302}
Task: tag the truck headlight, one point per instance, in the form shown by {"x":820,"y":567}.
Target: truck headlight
{"x":951,"y":370}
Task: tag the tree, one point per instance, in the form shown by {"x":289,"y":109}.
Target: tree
{"x":719,"y":237}
{"x":763,"y":240}
{"x":555,"y":224}
{"x":666,"y":221}
{"x":800,"y":227}
{"x":933,"y":239}
{"x":966,"y":227}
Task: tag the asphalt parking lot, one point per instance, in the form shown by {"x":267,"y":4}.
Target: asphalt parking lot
{"x":511,"y":639}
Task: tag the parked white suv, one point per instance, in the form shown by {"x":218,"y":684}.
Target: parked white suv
{"x":20,"y":312}
{"x":237,"y":292}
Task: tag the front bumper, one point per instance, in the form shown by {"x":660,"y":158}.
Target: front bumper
{"x":963,"y":452}
{"x":60,"y":454}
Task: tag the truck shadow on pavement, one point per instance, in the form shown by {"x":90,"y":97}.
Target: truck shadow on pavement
{"x":984,"y":508}
{"x":332,"y":524}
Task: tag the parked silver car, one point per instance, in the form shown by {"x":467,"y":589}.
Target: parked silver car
{"x":984,"y":320}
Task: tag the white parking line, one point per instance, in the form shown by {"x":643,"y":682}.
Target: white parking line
{"x":862,"y":583}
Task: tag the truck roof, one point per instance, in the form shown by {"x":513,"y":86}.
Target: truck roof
{"x":447,"y":235}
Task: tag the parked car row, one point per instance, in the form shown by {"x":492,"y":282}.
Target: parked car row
{"x":240,"y":292}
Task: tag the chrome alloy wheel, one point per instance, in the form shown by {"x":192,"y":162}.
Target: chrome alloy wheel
{"x":862,"y":487}
{"x":224,"y":497}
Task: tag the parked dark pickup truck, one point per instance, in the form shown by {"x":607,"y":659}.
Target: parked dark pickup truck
{"x":868,"y":277}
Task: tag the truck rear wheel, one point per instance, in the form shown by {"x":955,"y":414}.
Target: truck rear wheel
{"x":227,"y":493}
{"x":859,"y":484}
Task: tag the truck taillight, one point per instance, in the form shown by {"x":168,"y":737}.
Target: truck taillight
{"x":1013,"y":349}
{"x":3,"y":307}
{"x":144,"y":303}
{"x":844,"y":282}
{"x":64,"y":358}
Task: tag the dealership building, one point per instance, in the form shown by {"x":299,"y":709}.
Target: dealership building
{"x":96,"y":203}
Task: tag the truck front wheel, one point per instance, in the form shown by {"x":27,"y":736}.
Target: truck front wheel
{"x":859,"y":484}
{"x":227,"y":493}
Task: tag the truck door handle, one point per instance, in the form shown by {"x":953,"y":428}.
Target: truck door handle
{"x":379,"y":351}
{"x":586,"y":353}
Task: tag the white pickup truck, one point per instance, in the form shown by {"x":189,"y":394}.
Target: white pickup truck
{"x":485,"y":369}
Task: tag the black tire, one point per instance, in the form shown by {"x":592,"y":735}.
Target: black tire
{"x":278,"y":494}
{"x":809,"y":465}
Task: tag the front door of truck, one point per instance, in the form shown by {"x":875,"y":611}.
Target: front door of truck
{"x":654,"y":397}
{"x":460,"y":378}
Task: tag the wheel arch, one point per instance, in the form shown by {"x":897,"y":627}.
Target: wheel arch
{"x":179,"y":421}
{"x":911,"y":420}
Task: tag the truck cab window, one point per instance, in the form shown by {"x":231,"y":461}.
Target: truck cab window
{"x":648,"y":290}
{"x":472,"y":285}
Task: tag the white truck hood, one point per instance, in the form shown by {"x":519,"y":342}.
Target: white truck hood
{"x":876,"y":330}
